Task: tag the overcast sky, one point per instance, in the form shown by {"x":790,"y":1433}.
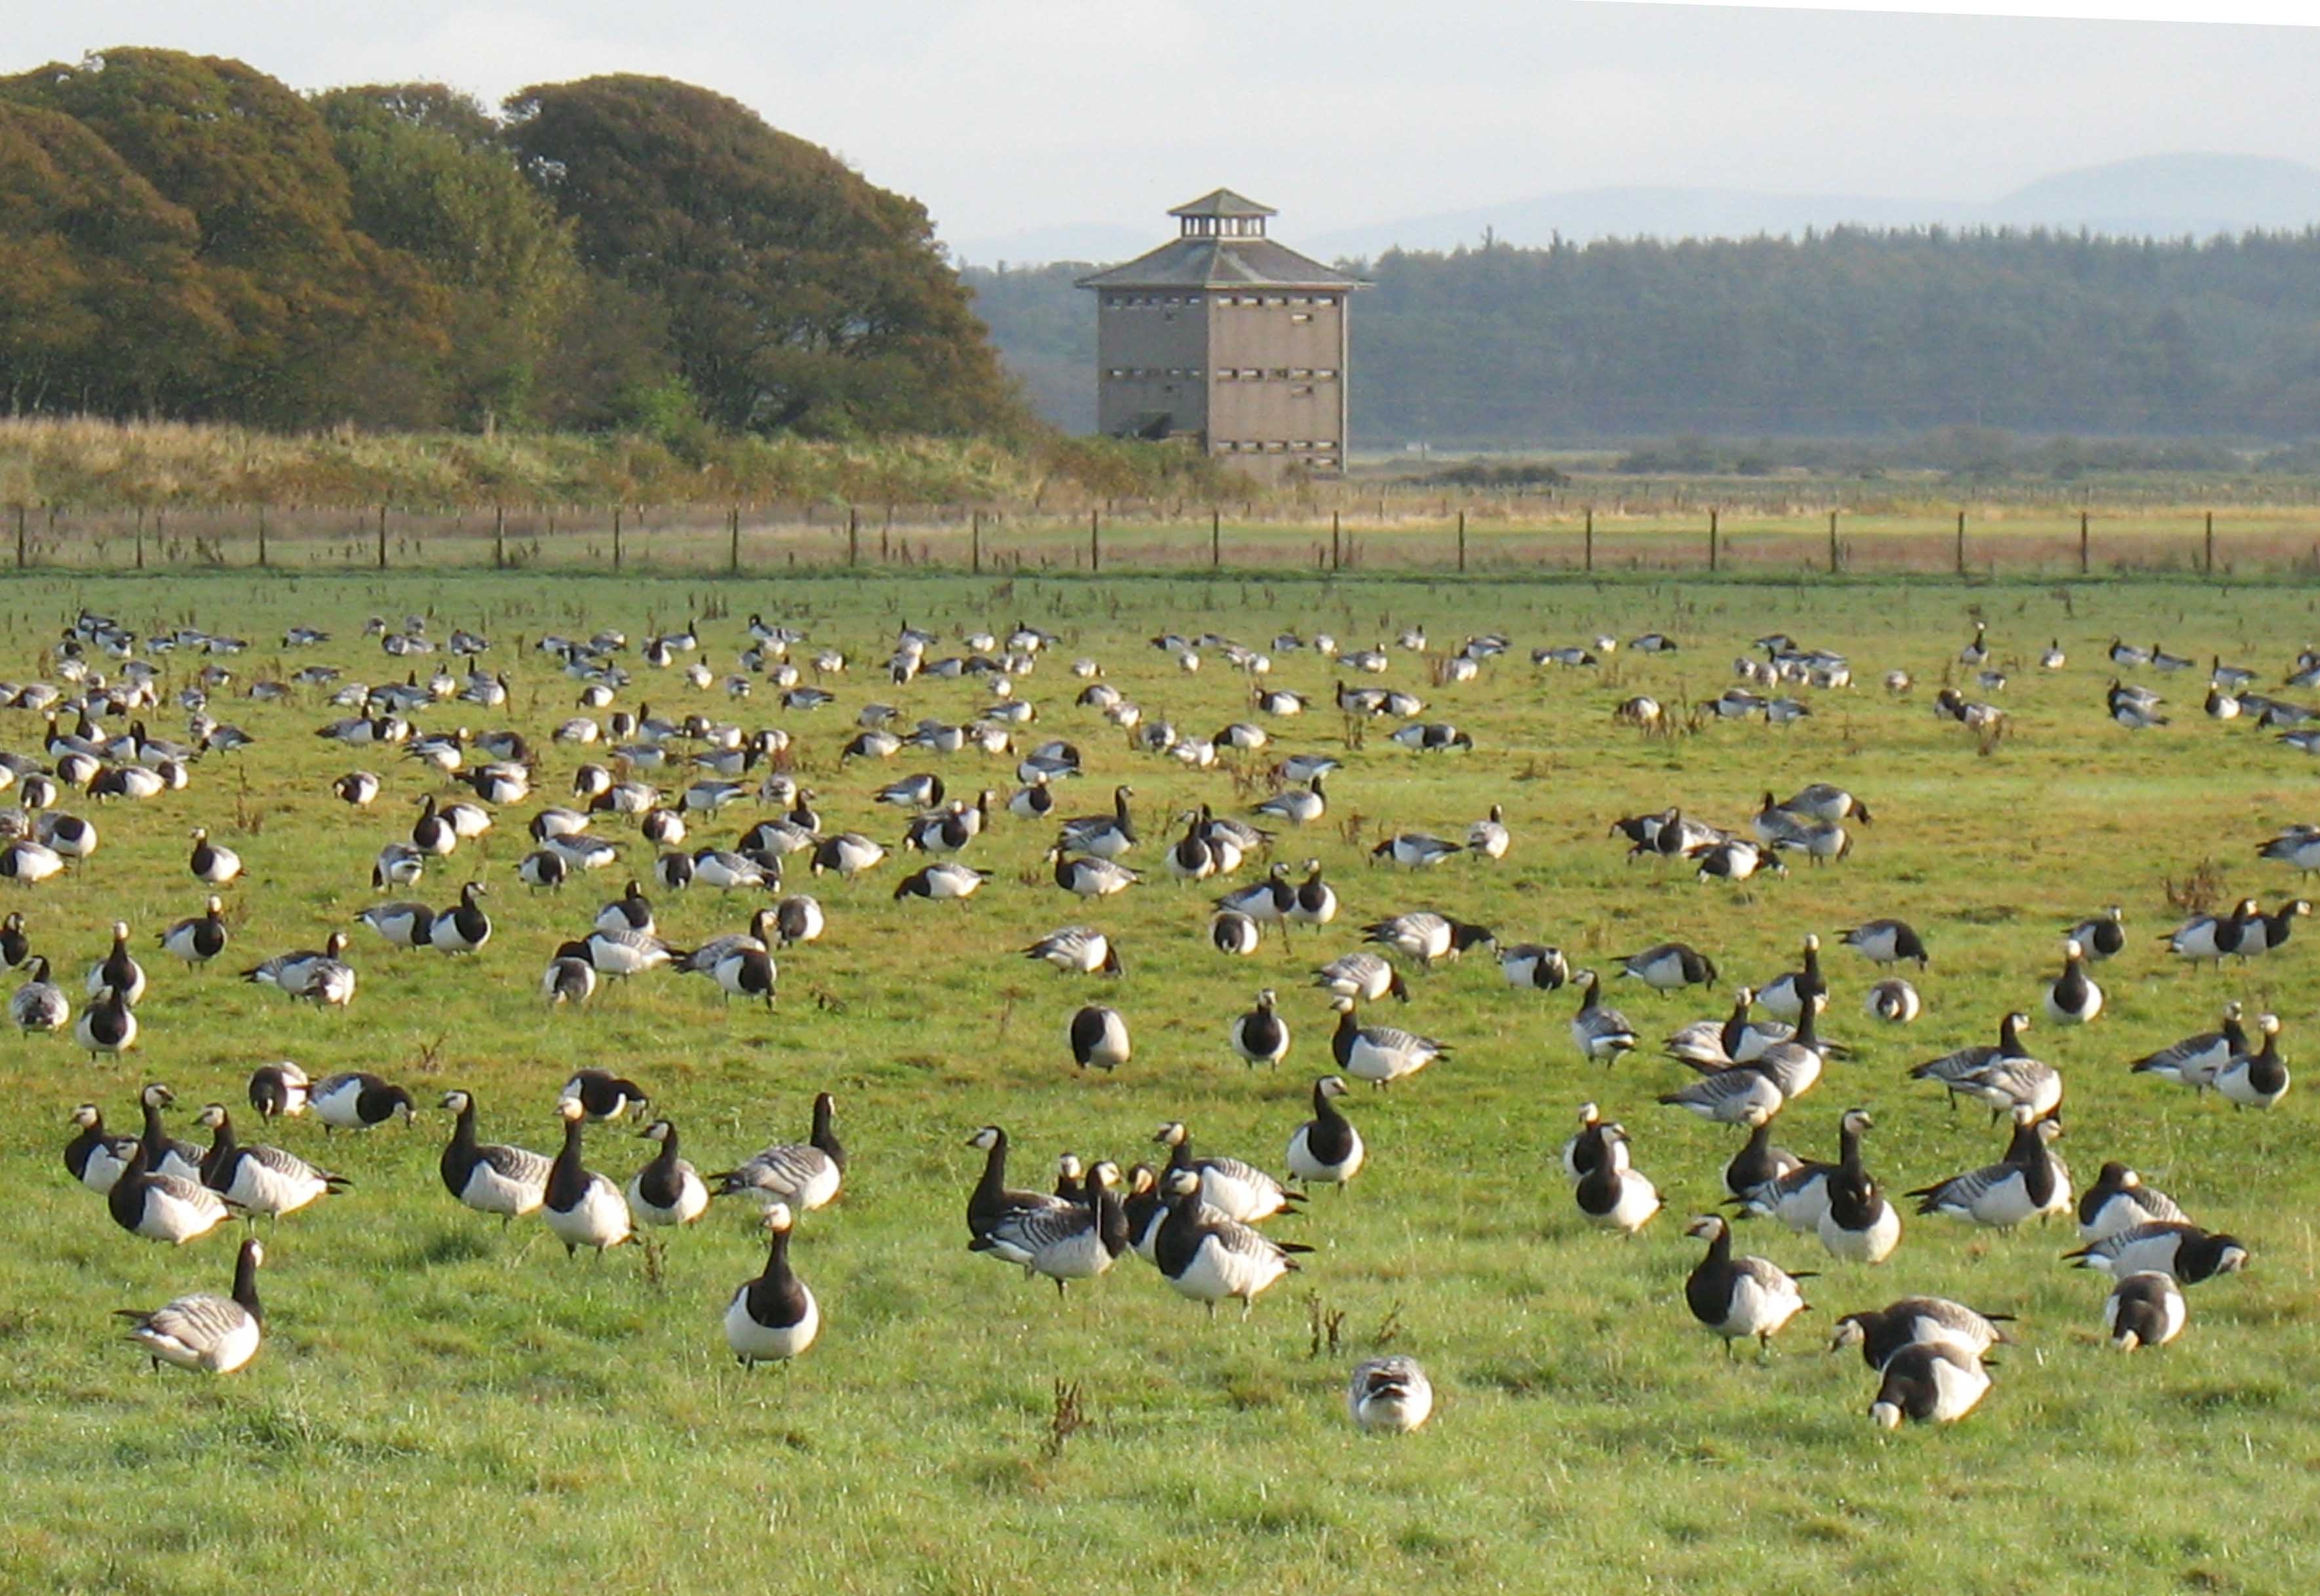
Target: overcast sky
{"x":1008,"y":115}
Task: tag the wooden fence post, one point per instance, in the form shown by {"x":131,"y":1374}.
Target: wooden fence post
{"x":1462,"y":540}
{"x":853,"y":535}
{"x":140,"y":537}
{"x":1336,"y":550}
{"x":616,"y":539}
{"x":1591,"y":538}
{"x":733,"y":540}
{"x":2211,"y":543}
{"x":1711,"y":542}
{"x":261,"y":538}
{"x":2082,"y":543}
{"x":1832,"y":543}
{"x":1215,"y":538}
{"x":499,"y":536}
{"x":1095,"y":541}
{"x":1961,"y":543}
{"x":974,"y":543}
{"x":382,"y":537}
{"x":20,"y":537}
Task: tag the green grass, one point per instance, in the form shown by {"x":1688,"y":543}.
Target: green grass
{"x":440,"y":1406}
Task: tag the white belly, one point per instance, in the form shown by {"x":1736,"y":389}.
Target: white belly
{"x":758,"y":1343}
{"x":599,"y":1220}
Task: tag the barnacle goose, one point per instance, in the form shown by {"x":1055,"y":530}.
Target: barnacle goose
{"x":487,"y":1176}
{"x":1583,"y":1150}
{"x":108,"y":1026}
{"x":2172,"y":1246}
{"x":625,"y":953}
{"x":213,"y":1334}
{"x":1602,"y":1032}
{"x":2073,"y":998}
{"x":172,"y":1208}
{"x":582,"y":1207}
{"x":322,"y":977}
{"x":29,"y":862}
{"x":354,"y":1100}
{"x":746,"y":971}
{"x":118,"y":969}
{"x":96,"y":1156}
{"x":1527,"y":964}
{"x":39,"y":1003}
{"x":2298,"y":846}
{"x":1315,"y":903}
{"x":199,"y":939}
{"x":259,"y":1179}
{"x":463,"y":928}
{"x":1364,"y":975}
{"x":2214,"y":938}
{"x":1859,"y":1225}
{"x":1825,"y":801}
{"x":631,"y":911}
{"x":805,"y":1175}
{"x":1489,"y":838}
{"x":570,"y":976}
{"x":2269,"y":932}
{"x":1614,"y":1194}
{"x":2194,"y":1061}
{"x":947,"y":882}
{"x":1785,"y":996}
{"x":1415,"y":850}
{"x":2103,"y":936}
{"x":1237,"y":1190}
{"x":848,"y":852}
{"x":667,"y":1191}
{"x":279,"y":1090}
{"x":2146,"y":1309}
{"x":1892,"y":1000}
{"x":358,"y":788}
{"x":1758,"y":1163}
{"x":1077,"y":949}
{"x":1929,"y":1383}
{"x":1326,"y":1148}
{"x":2260,"y":1079}
{"x":1065,"y":1240}
{"x":15,"y":946}
{"x":1951,"y":1069}
{"x":1880,"y":1333}
{"x":603,"y":1096}
{"x":1298,"y":806}
{"x":2007,"y":1083}
{"x":1390,"y":1394}
{"x":1266,"y":903}
{"x":212,"y":864}
{"x":2119,"y":1201}
{"x":1261,"y":1036}
{"x":798,"y":918}
{"x":398,"y":864}
{"x":1739,"y":1297}
{"x":993,"y":1199}
{"x":1098,"y":1036}
{"x":1106,"y":836}
{"x":2028,"y":1183}
{"x":1380,"y":1054}
{"x":1886,"y":941}
{"x":1089,"y":877}
{"x":1209,"y":1257}
{"x":1743,"y":1094}
{"x":1737,"y":1039}
{"x":774,"y":1317}
{"x":1427,"y":936}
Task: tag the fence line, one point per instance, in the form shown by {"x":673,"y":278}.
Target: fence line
{"x":759,"y":540}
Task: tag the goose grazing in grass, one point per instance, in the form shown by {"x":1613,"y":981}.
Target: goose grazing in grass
{"x":1316,"y":901}
{"x":1614,"y":1195}
{"x":463,"y":928}
{"x":15,"y":946}
{"x":355,"y":1100}
{"x":2214,"y":938}
{"x":199,"y":939}
{"x":322,"y":978}
{"x":849,"y":854}
{"x":2172,"y":1246}
{"x":1098,"y":1036}
{"x":1366,"y":976}
{"x":1952,"y":1069}
{"x":1105,"y":836}
{"x":402,"y":924}
{"x":1325,"y":1149}
{"x":1886,"y":941}
{"x":1894,"y":1001}
{"x":1427,"y":937}
{"x":214,"y":1335}
{"x":1079,"y":950}
{"x":1261,"y":1036}
{"x":108,"y":1026}
{"x":2120,"y":1201}
{"x":39,"y":1003}
{"x":1534,"y":966}
{"x":620,"y":954}
{"x":2009,"y":1082}
{"x":1379,"y":1054}
{"x":1298,"y":806}
{"x":94,"y":1156}
{"x":799,"y":918}
{"x":1928,"y":1383}
{"x":994,"y":1200}
{"x":487,"y":1176}
{"x":804,"y":1176}
{"x":1669,"y":966}
{"x":2297,"y":847}
{"x":2269,"y":933}
{"x":1743,"y":1094}
{"x":1209,"y":1259}
{"x":2104,"y":936}
{"x":1415,"y":850}
{"x":1489,"y":838}
{"x":1737,"y":1039}
{"x":279,"y":1091}
{"x":2073,"y":998}
{"x":160,"y":1207}
{"x":30,"y":862}
{"x":2146,"y":1309}
{"x":1785,"y":996}
{"x":667,"y":1191}
{"x":603,"y":1096}
{"x":259,"y":1179}
{"x":1602,"y":1032}
{"x":1739,"y":1297}
{"x":357,"y":789}
{"x":631,"y":911}
{"x":582,"y":1207}
{"x":398,"y":864}
{"x":2028,"y":1183}
{"x":2258,"y":1079}
{"x":1880,"y":1333}
{"x":1237,"y":1190}
{"x":948,"y":882}
{"x":1065,"y":1240}
{"x":118,"y":969}
{"x":1859,"y":1225}
{"x":1391,"y":1394}
{"x":570,"y":978}
{"x":1089,"y":877}
{"x":1758,"y":1163}
{"x":1233,"y":932}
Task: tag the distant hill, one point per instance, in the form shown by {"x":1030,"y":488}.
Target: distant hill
{"x":2170,"y":195}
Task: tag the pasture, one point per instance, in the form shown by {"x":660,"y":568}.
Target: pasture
{"x":443,"y":1406}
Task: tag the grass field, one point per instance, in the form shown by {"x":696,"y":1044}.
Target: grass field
{"x":441,"y":1407}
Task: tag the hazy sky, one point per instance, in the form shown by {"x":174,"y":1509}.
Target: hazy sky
{"x":1006,"y":115}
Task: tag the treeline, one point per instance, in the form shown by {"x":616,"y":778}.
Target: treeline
{"x":185,"y":238}
{"x":1849,"y":333}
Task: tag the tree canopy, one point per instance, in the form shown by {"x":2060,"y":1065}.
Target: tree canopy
{"x":184,"y":236}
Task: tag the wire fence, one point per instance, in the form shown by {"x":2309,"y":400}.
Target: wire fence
{"x":1985,"y":541}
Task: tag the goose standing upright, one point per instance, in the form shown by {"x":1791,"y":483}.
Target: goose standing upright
{"x":804,"y":1176}
{"x":258,"y":1179}
{"x":582,"y":1207}
{"x":39,"y":1003}
{"x":774,"y":1317}
{"x":118,"y":969}
{"x":213,"y":1334}
{"x":1785,"y":996}
{"x":1614,"y":1194}
{"x":1209,"y":1257}
{"x":159,"y":1207}
{"x":667,"y":1191}
{"x":199,"y":939}
{"x":2073,"y":998}
{"x":487,"y":1177}
{"x":1602,"y":1032}
{"x":212,"y":864}
{"x":1067,"y":1240}
{"x":1261,"y":1036}
{"x":1859,"y":1225}
{"x":1739,"y":1297}
{"x":96,"y":1156}
{"x":108,"y":1026}
{"x":1326,"y":1148}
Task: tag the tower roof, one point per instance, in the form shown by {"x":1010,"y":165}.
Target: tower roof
{"x":1223,"y":201}
{"x":1222,"y":246}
